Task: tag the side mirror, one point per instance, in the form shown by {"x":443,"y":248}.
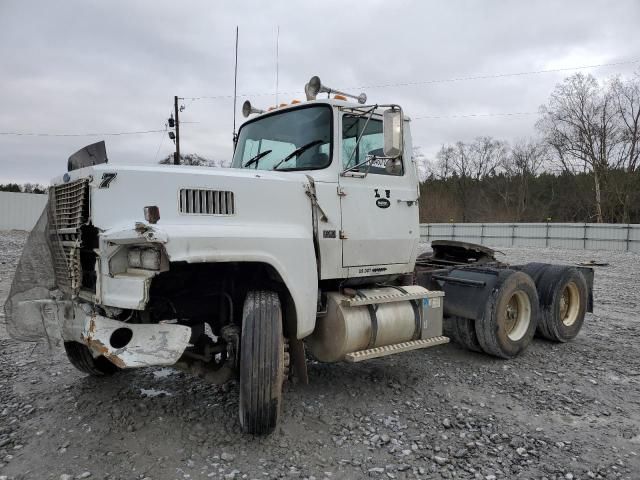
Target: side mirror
{"x":393,"y":166}
{"x":392,"y":123}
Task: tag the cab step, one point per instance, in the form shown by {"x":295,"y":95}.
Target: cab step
{"x":397,"y":348}
{"x":412,"y":292}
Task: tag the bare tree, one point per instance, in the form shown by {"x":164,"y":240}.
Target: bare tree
{"x":624,"y":184}
{"x":444,"y":160}
{"x":580,"y":122}
{"x":422,"y":164}
{"x":522,"y":164}
{"x":486,"y":155}
{"x":468,"y":163}
{"x":626,"y":97}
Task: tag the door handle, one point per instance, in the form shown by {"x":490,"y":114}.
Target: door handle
{"x":409,"y":202}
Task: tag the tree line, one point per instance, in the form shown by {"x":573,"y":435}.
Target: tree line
{"x":582,"y":165}
{"x":23,"y":188}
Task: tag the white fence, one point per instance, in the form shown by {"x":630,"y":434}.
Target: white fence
{"x":20,"y":211}
{"x":588,"y":236}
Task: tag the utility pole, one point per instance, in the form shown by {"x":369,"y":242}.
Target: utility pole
{"x":176,"y":156}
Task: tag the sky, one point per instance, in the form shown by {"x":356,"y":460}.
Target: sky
{"x":80,"y":66}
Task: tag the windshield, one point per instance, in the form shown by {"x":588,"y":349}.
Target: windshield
{"x":297,"y":139}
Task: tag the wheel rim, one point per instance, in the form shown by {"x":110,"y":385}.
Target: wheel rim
{"x":569,"y":304}
{"x":517,"y":316}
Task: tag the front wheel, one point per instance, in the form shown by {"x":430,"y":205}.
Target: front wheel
{"x":80,"y":357}
{"x":262,"y":362}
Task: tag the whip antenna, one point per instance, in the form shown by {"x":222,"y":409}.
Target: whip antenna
{"x":277,"y":60}
{"x":235,"y":94}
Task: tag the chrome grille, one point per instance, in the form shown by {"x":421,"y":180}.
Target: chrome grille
{"x":206,"y":202}
{"x":68,"y":211}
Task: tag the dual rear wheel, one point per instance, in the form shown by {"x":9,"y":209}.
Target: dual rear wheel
{"x":548,"y":300}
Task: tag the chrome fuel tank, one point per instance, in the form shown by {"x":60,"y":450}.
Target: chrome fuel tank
{"x":347,"y":328}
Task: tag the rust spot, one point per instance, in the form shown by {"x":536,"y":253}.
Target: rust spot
{"x":97,"y":346}
{"x":116,"y":360}
{"x":101,"y":348}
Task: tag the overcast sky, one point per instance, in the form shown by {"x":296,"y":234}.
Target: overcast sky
{"x":110,"y":66}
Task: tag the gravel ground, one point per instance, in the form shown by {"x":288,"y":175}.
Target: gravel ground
{"x":567,"y":411}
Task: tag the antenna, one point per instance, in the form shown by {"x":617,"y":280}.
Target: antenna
{"x":277,"y":58}
{"x":235,"y":94}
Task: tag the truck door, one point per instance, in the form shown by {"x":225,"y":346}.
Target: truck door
{"x":380,"y":209}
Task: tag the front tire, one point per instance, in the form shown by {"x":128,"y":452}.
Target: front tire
{"x":262,"y":362}
{"x":510,"y":316}
{"x":80,"y":357}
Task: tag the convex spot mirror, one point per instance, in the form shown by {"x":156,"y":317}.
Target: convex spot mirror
{"x":393,"y":166}
{"x":392,"y":132}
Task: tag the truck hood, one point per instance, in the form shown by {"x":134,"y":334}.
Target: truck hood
{"x":193,"y":195}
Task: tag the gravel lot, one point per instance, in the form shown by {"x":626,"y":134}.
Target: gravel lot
{"x":567,"y":411}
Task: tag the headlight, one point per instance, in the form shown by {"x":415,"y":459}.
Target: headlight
{"x":146,"y":258}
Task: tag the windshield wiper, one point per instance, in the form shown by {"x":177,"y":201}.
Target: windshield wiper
{"x":257,"y":158}
{"x":297,"y":152}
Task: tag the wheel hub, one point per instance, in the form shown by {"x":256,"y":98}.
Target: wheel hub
{"x":569,"y":304}
{"x":517,"y":316}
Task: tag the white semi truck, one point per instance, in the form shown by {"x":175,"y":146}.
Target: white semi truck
{"x":307,"y":245}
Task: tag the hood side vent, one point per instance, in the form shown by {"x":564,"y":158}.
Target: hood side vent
{"x":196,"y":201}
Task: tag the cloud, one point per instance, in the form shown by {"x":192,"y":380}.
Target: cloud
{"x":82,"y":66}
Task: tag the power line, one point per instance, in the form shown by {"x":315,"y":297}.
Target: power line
{"x":434,"y":81}
{"x":162,"y":137}
{"x":499,"y":75}
{"x":109,"y":134}
{"x":474,"y":115}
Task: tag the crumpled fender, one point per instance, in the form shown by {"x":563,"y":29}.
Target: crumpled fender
{"x":287,"y":248}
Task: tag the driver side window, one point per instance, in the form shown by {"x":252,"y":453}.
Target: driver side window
{"x":371,"y":146}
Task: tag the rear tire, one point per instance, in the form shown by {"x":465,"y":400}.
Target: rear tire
{"x":261,"y":362}
{"x":464,"y":333}
{"x":535,"y":270}
{"x":563,"y":301}
{"x":510,"y":316}
{"x":80,"y":357}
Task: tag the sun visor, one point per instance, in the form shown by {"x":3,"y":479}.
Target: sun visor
{"x":93,"y":154}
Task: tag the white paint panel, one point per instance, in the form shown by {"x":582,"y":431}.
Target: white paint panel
{"x":20,"y":211}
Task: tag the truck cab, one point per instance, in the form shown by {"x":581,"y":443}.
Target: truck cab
{"x":368,"y":203}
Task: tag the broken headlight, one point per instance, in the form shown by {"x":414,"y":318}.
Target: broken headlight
{"x":144,"y":257}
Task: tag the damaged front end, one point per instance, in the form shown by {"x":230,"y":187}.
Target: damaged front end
{"x":75,"y":284}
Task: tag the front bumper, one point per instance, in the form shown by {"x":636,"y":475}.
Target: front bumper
{"x":126,"y":345}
